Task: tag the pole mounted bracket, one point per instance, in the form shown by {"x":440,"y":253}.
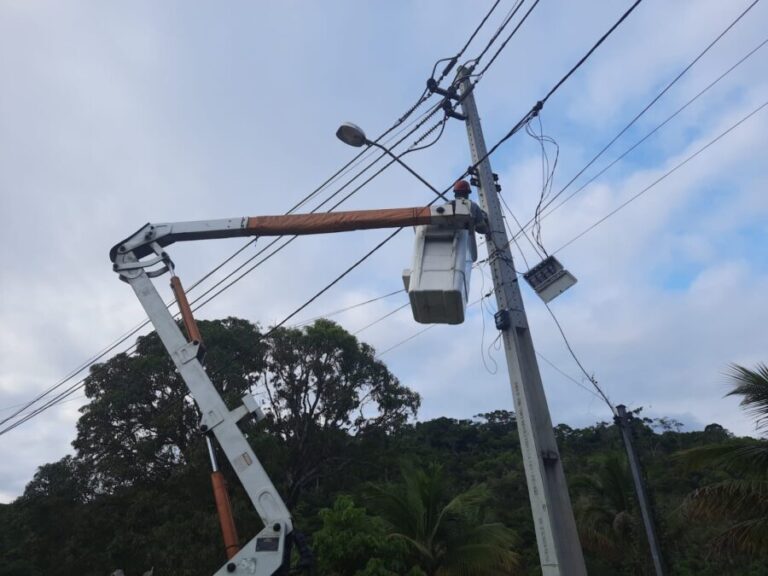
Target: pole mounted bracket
{"x":449,"y":93}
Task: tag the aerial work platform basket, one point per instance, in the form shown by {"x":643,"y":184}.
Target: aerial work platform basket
{"x":438,"y":282}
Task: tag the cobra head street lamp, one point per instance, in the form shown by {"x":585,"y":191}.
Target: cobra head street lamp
{"x":352,"y":135}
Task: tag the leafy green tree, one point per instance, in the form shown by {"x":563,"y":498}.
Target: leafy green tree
{"x":740,"y":500}
{"x":445,"y":536}
{"x":353,"y":543}
{"x":323,"y":387}
{"x":140,"y":424}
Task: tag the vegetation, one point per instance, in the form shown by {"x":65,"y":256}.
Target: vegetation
{"x":377,"y":493}
{"x":740,"y":498}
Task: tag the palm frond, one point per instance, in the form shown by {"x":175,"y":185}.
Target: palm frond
{"x":729,"y":499}
{"x":743,"y":456}
{"x":483,"y":549}
{"x":463,"y":503}
{"x":600,"y":543}
{"x":752,"y":385}
{"x":746,"y":537}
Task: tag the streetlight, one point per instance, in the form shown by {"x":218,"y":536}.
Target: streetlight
{"x":353,"y":135}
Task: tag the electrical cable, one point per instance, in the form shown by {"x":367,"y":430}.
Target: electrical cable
{"x":347,"y":308}
{"x":291,"y":239}
{"x":453,"y":60}
{"x":591,"y":50}
{"x":382,"y":318}
{"x":482,"y":319}
{"x":504,"y":23}
{"x":508,"y":38}
{"x":514,"y":238}
{"x":568,"y":376}
{"x":536,"y":109}
{"x":63,"y":396}
{"x":411,"y":337}
{"x":440,"y":125}
{"x":652,"y":102}
{"x":658,"y":126}
{"x":136,"y":329}
{"x":79,"y":384}
{"x":662,"y":177}
{"x":522,"y":230}
{"x":587,"y":375}
{"x":348,"y":270}
{"x":419,"y":333}
{"x":547,"y":177}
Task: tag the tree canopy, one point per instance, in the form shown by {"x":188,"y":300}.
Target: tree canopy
{"x":136,"y":494}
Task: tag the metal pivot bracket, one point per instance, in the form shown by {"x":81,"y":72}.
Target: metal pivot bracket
{"x":126,"y":264}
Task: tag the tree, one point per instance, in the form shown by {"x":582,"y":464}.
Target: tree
{"x":740,"y":500}
{"x":608,"y":526}
{"x":323,"y":387}
{"x":445,"y":536}
{"x":353,"y":543}
{"x":139,"y":424}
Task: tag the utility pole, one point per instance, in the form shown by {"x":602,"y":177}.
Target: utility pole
{"x":622,"y":420}
{"x":558,"y":541}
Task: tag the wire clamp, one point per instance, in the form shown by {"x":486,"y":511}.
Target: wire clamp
{"x":449,"y":93}
{"x":450,"y":112}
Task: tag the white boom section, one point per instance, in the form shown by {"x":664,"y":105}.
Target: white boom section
{"x":264,"y":554}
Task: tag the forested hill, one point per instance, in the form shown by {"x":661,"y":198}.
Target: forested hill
{"x":341,"y":445}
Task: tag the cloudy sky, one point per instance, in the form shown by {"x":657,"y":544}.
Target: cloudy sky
{"x":115,"y":114}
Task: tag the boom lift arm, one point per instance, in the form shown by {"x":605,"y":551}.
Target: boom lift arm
{"x":142,"y":256}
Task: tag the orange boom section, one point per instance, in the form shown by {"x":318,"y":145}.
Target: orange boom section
{"x":338,"y":221}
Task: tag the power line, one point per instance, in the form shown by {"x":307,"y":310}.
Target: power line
{"x":420,"y":332}
{"x":382,"y":318}
{"x":659,"y":126}
{"x":586,"y":56}
{"x":348,"y":166}
{"x":662,"y":177}
{"x":353,"y":162}
{"x":652,"y":102}
{"x":136,"y":329}
{"x":62,"y":397}
{"x":504,"y":22}
{"x":570,"y":349}
{"x":568,"y":376}
{"x":536,"y":109}
{"x":587,"y":375}
{"x":452,"y":61}
{"x":80,"y":383}
{"x":348,"y":308}
{"x":334,"y":281}
{"x":509,"y":37}
{"x":533,"y":112}
{"x":621,"y":206}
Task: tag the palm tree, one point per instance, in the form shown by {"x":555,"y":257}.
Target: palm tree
{"x":740,"y":500}
{"x":606,"y":516}
{"x":446,"y":536}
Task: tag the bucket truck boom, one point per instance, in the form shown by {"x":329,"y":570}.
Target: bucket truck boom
{"x":142,"y":256}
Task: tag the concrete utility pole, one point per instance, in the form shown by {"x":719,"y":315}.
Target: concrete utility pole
{"x":558,"y":541}
{"x":622,"y":420}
